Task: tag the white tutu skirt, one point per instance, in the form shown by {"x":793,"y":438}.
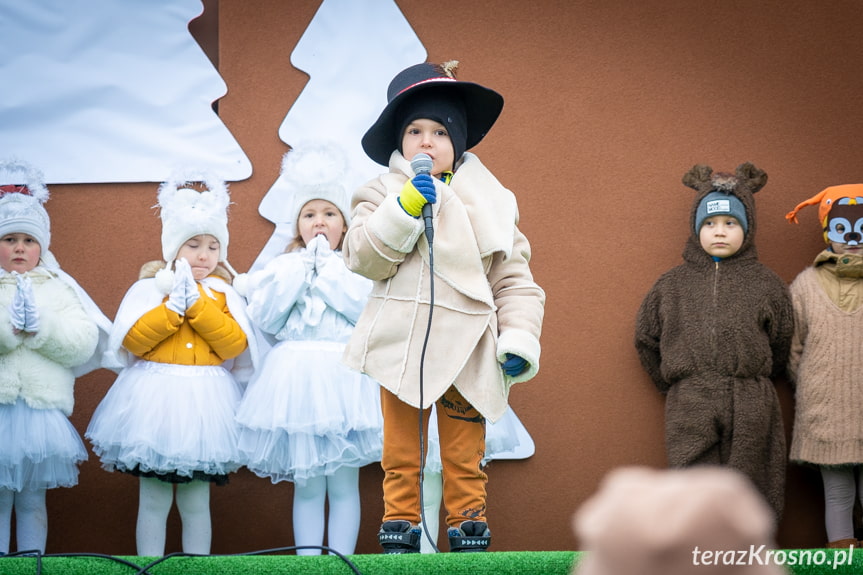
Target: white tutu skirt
{"x":507,"y":438}
{"x":39,"y":448}
{"x":173,"y":422}
{"x":305,"y":414}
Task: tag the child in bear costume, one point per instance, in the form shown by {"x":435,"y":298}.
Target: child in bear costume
{"x":712,"y":333}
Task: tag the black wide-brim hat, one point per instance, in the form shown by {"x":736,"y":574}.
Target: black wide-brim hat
{"x":482,"y":107}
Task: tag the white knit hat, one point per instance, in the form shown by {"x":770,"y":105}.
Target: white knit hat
{"x":315,"y":170}
{"x":186,"y":213}
{"x":22,"y":193}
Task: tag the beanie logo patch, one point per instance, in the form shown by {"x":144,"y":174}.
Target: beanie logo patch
{"x":718,"y":207}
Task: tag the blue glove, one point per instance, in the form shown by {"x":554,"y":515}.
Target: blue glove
{"x":416,"y":193}
{"x":425,"y":185}
{"x":514,"y":365}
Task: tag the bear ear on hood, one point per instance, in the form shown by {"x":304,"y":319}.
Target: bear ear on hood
{"x":698,"y":177}
{"x":755,"y":178}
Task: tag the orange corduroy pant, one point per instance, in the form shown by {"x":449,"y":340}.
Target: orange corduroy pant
{"x":461,"y":431}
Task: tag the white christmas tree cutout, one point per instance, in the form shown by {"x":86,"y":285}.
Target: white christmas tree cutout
{"x":351,"y":50}
{"x":108,"y":91}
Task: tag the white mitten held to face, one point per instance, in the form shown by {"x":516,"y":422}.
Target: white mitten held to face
{"x":323,"y":251}
{"x":308,"y":255}
{"x":177,"y":297}
{"x":185,"y":270}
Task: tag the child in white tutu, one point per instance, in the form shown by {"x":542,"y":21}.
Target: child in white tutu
{"x":49,"y":335}
{"x":305,"y":417}
{"x":169,"y":417}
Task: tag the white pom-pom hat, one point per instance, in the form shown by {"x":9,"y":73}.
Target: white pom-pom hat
{"x":315,"y":170}
{"x":187,"y":212}
{"x":22,"y":193}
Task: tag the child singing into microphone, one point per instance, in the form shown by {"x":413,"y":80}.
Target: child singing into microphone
{"x":487,"y":310}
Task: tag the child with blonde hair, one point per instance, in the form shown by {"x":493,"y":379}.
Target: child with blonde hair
{"x":182,"y":333}
{"x":307,"y":418}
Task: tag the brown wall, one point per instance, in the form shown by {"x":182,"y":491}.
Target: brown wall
{"x":608,"y":103}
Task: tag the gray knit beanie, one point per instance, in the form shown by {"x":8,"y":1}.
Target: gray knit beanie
{"x":718,"y":203}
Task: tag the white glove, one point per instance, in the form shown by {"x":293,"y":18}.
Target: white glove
{"x":192,"y":294}
{"x":22,"y":311}
{"x":31,"y":313}
{"x":177,"y":298}
{"x":322,"y":252}
{"x":18,"y":308}
{"x":308,"y":255}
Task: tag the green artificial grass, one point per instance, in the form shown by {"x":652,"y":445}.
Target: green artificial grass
{"x":497,"y":563}
{"x":491,"y":563}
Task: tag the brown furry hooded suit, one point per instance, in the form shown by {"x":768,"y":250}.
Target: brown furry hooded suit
{"x":711,"y":335}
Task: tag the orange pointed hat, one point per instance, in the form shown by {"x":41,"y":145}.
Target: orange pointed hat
{"x":825,"y":200}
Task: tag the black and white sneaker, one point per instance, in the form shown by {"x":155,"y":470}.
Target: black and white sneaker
{"x":470,"y":536}
{"x":399,"y":537}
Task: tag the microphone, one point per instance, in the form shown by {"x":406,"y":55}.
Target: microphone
{"x":422,"y":164}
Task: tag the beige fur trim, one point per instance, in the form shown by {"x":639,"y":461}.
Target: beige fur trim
{"x":149,"y":270}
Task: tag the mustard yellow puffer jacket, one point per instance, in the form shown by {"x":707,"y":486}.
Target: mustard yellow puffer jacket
{"x":207,"y":334}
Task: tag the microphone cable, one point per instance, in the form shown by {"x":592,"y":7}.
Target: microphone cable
{"x":426,"y":533}
{"x":423,"y":164}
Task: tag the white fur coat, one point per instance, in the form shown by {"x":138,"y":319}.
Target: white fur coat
{"x":41,"y":368}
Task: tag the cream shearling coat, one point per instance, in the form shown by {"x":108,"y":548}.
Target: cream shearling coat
{"x":486,"y":302}
{"x":39,"y":368}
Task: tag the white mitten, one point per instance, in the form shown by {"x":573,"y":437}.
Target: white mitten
{"x":177,"y":298}
{"x":322,"y":252}
{"x":31,"y":314}
{"x":308,"y":255}
{"x":18,"y":307}
{"x":185,"y":270}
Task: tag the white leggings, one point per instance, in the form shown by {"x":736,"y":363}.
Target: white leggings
{"x":343,"y":523}
{"x":193,"y":503}
{"x":841,"y":486}
{"x":31,"y":519}
{"x":432,"y":495}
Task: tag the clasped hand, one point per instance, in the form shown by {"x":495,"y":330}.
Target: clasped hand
{"x":316,"y":253}
{"x":184,"y":291}
{"x":22,"y":310}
